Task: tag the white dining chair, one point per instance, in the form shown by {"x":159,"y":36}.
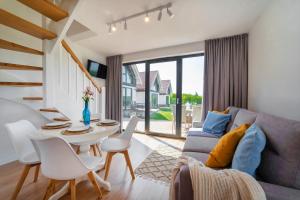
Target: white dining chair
{"x":19,"y":133}
{"x":60,"y":162}
{"x":119,"y":144}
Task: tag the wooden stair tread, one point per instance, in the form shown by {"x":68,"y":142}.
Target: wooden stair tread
{"x":21,"y":84}
{"x":10,"y":66}
{"x":33,"y":98}
{"x":61,"y":119}
{"x":47,"y":8}
{"x":13,"y":21}
{"x":16,"y":47}
{"x":49,"y":110}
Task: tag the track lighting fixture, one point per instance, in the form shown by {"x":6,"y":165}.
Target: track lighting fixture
{"x":125,"y":25}
{"x":159,"y":15}
{"x":170,"y":13}
{"x":147,"y":19}
{"x":112,"y":25}
{"x":109,"y":29}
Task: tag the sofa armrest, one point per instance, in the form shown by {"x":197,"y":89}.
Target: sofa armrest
{"x":183,"y":184}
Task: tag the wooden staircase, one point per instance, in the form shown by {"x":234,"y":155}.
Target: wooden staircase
{"x":15,"y":22}
{"x":33,"y":98}
{"x":10,"y":66}
{"x":21,"y":84}
{"x":16,"y":47}
{"x":46,"y":8}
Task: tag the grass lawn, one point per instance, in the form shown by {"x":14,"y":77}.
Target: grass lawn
{"x":162,"y":114}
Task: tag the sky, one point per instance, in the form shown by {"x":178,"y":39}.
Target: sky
{"x":192,"y":73}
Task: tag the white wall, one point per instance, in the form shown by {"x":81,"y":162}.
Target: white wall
{"x":84,"y":54}
{"x":274,"y":60}
{"x":183,"y":49}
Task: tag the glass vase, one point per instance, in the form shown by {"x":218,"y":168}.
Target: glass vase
{"x":86,"y":114}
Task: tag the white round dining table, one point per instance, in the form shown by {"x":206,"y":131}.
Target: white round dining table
{"x":84,"y":141}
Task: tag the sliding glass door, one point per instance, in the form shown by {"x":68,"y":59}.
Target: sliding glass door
{"x":162,"y":97}
{"x":165,"y":93}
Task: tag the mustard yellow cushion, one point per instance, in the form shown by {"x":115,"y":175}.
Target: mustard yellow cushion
{"x":222,"y":112}
{"x":222,"y":154}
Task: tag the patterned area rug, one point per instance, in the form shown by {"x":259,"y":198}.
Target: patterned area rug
{"x":159,"y":164}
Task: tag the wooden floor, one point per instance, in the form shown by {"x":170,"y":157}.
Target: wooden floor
{"x":122,"y":185}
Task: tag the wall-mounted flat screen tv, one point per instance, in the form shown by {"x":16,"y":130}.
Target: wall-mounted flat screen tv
{"x":97,"y":69}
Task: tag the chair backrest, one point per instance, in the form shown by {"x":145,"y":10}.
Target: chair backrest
{"x":127,"y":134}
{"x":196,"y":113}
{"x":58,"y":159}
{"x":19,"y":134}
{"x":183,"y":113}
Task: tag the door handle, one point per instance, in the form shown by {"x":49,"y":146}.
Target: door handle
{"x":177,"y":100}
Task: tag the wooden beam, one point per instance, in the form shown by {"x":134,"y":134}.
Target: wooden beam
{"x":16,"y":47}
{"x":13,"y":21}
{"x":81,"y":66}
{"x":10,"y":66}
{"x":46,"y":8}
{"x":21,"y":84}
{"x":33,"y":98}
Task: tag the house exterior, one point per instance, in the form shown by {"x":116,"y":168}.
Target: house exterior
{"x":133,"y":89}
{"x":165,"y":93}
{"x":130,"y":78}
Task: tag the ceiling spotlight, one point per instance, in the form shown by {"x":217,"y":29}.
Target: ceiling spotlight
{"x":125,"y":25}
{"x":170,"y":13}
{"x":159,"y":15}
{"x":147,"y":19}
{"x":114,"y":28}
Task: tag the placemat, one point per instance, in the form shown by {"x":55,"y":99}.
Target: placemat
{"x":57,"y":127}
{"x":66,"y":132}
{"x":112,"y":124}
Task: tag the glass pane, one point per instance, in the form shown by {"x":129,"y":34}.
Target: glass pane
{"x":134,"y":94}
{"x":163,"y":97}
{"x":192,"y":91}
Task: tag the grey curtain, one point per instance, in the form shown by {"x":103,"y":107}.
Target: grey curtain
{"x":113,"y":95}
{"x":225,"y":73}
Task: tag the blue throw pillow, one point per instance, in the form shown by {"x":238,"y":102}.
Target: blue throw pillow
{"x":247,"y":155}
{"x":215,"y":123}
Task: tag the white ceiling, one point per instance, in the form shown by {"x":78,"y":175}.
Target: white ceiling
{"x":195,"y":20}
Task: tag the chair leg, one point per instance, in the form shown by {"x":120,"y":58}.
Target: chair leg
{"x":21,"y":181}
{"x":94,"y":149}
{"x":95,"y":184}
{"x":50,"y":189}
{"x":98,"y":148}
{"x":36,"y":173}
{"x":73,"y":189}
{"x":107,"y":164}
{"x":126,"y":155}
